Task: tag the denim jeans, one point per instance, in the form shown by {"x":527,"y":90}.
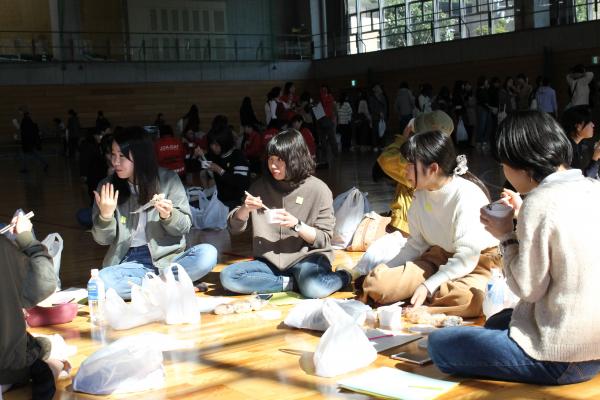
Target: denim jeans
{"x":490,"y":353}
{"x":312,"y":277}
{"x":197,"y":262}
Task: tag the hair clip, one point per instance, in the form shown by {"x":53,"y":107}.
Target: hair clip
{"x":461,"y":165}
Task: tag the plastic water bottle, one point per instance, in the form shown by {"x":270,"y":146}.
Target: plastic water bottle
{"x":96,"y":298}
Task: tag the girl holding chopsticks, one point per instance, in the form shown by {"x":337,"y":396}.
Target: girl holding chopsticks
{"x":145,"y":232}
{"x":292,"y":221}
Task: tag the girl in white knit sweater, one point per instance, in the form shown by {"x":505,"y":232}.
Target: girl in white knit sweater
{"x":550,"y":261}
{"x":447,"y":259}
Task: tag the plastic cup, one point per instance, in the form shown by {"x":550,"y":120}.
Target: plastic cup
{"x":390,"y":317}
{"x":498,"y":210}
{"x":273,"y":216}
{"x":206,"y":164}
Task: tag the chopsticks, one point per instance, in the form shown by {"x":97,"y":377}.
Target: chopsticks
{"x":263,"y":206}
{"x":10,"y":226}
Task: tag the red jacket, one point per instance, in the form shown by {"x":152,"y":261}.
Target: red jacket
{"x":253,"y":147}
{"x":170,"y":154}
{"x":310,"y":140}
{"x":267,"y":136}
{"x":327,"y":102}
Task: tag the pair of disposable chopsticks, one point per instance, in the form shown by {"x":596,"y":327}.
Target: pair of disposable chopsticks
{"x":10,"y":226}
{"x":263,"y":206}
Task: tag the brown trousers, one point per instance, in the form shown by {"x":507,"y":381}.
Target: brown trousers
{"x":463,"y":296}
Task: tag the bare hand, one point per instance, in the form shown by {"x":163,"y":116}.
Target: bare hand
{"x":164,"y":208}
{"x":22,"y":224}
{"x":198,"y":152}
{"x":252,"y":203}
{"x":497,"y":226}
{"x":420,"y":295}
{"x":216,"y":169}
{"x":596,"y":154}
{"x":512,"y":199}
{"x":286,"y":219}
{"x":107,"y":200}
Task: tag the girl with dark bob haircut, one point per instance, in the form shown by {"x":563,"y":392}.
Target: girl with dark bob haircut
{"x":445,"y":263}
{"x":292,"y":224}
{"x":579,"y":127}
{"x":551,"y":264}
{"x":150,"y":239}
{"x":291,"y":147}
{"x":534,"y":142}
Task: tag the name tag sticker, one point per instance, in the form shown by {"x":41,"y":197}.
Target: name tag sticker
{"x":123,"y":219}
{"x":299,"y":200}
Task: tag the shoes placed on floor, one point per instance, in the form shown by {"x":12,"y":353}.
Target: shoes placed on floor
{"x":350,"y":270}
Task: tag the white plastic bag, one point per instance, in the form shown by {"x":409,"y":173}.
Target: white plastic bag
{"x":211,"y":212}
{"x":498,"y":296}
{"x":181,"y":306}
{"x":383,"y":250}
{"x":344,"y":347}
{"x":131,"y":364}
{"x":461,"y":132}
{"x":54,"y":244}
{"x":349,"y":208}
{"x":381,"y":128}
{"x":308,"y":314}
{"x":140,"y":311}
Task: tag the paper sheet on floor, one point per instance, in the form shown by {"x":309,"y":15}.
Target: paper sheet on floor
{"x":392,"y":383}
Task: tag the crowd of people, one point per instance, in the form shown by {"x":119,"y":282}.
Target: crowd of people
{"x":265,"y":175}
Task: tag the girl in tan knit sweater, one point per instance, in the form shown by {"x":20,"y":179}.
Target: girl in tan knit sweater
{"x":550,"y":261}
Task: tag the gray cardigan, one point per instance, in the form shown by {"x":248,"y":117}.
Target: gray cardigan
{"x":311,"y":203}
{"x":166,"y":238}
{"x":27,"y":278}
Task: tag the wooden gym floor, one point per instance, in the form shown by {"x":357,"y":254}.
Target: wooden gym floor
{"x":243,"y":356}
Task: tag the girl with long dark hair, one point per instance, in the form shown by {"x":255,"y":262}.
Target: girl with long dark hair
{"x":292,"y":241}
{"x":152,"y":239}
{"x":446,"y":261}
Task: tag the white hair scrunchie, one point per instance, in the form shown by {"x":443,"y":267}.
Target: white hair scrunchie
{"x":461,"y":165}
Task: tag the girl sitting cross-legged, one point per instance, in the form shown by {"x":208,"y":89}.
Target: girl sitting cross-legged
{"x":446,"y":261}
{"x":550,"y":262}
{"x":151,"y":239}
{"x":292,"y":241}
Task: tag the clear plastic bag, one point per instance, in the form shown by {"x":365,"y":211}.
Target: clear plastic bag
{"x":54,"y":244}
{"x":498,"y":296}
{"x":211,"y":212}
{"x":131,"y":364}
{"x":308,"y":314}
{"x":181,"y":306}
{"x":344,"y":347}
{"x":349,"y":208}
{"x":383,"y":250}
{"x":140,"y":311}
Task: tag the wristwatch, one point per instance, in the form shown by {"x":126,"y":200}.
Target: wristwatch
{"x":298,"y":226}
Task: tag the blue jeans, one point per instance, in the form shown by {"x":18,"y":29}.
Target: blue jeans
{"x":197,"y":262}
{"x":491,"y":353}
{"x":312,"y":277}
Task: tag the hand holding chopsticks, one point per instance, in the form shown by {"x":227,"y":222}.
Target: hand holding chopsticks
{"x":16,"y":221}
{"x":254,"y":203}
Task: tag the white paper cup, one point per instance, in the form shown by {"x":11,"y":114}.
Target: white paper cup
{"x":390,"y":318}
{"x":273,"y":215}
{"x":498,"y":210}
